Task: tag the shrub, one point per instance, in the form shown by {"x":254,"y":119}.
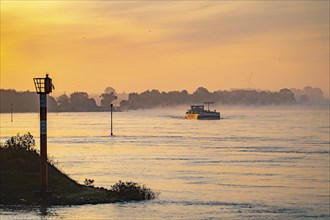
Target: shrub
{"x":21,"y":142}
{"x":133,"y":191}
{"x":89,"y":182}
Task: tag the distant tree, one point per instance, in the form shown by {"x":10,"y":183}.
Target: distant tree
{"x":286,"y":96}
{"x":297,"y":93}
{"x":315,"y":95}
{"x":52,"y":104}
{"x":265,"y":98}
{"x":183,"y":97}
{"x":219,"y":96}
{"x":107,"y":99}
{"x":151,"y":98}
{"x":201,"y":95}
{"x":124,"y":104}
{"x":177,"y":98}
{"x":63,"y":102}
{"x":22,"y":101}
{"x":310,"y":95}
{"x":304,"y":100}
{"x":110,"y":90}
{"x":134,"y":101}
{"x":80,"y":101}
{"x":251,"y":97}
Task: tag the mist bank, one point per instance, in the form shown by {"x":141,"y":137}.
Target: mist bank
{"x":12,"y":100}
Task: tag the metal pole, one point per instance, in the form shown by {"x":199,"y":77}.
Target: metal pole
{"x":43,"y":144}
{"x":111,"y":117}
{"x":11,"y":111}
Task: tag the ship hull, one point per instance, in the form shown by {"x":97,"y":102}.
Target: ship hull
{"x":191,"y":116}
{"x":208,"y":117}
{"x":203,"y":116}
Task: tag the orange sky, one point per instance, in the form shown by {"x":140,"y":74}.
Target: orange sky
{"x":165,"y":45}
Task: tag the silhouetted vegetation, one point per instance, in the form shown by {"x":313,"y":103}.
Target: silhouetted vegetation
{"x":310,"y":96}
{"x":107,"y":99}
{"x":23,"y":101}
{"x":76,"y":102}
{"x":133,"y":191}
{"x":154,"y":98}
{"x":89,"y":182}
{"x":80,"y":101}
{"x":20,"y":180}
{"x":20,"y":142}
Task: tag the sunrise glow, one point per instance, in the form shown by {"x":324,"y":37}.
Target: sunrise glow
{"x":140,"y":45}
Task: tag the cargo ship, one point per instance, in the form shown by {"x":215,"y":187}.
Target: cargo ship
{"x":198,"y":112}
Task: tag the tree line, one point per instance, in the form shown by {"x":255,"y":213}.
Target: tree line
{"x":155,"y":98}
{"x":29,"y":102}
{"x":22,"y":101}
{"x":81,"y":101}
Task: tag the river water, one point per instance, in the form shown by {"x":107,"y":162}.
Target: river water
{"x":254,"y":163}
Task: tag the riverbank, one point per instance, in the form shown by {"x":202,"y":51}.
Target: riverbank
{"x":20,"y":180}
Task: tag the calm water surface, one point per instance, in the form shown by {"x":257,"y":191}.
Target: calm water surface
{"x":252,"y":164}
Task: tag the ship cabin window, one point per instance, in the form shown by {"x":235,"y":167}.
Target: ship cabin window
{"x":197,"y":108}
